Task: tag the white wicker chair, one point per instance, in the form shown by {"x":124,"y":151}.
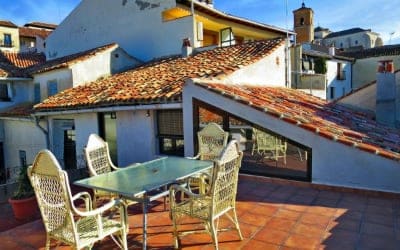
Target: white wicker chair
{"x":269,"y":144}
{"x":98,"y":160}
{"x":62,"y":220}
{"x":219,"y":199}
{"x":212,"y":139}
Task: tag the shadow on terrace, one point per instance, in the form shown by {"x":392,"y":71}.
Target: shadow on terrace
{"x":273,"y":214}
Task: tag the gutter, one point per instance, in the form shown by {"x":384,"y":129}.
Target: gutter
{"x":45,"y":131}
{"x":16,"y":78}
{"x":111,"y":109}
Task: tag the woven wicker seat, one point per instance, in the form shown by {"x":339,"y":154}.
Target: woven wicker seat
{"x":62,"y":220}
{"x":217,"y":201}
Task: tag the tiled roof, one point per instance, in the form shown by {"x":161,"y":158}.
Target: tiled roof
{"x":345,"y":32}
{"x":30,"y":32}
{"x":69,"y":60}
{"x":329,"y":120}
{"x":41,"y":25}
{"x":13,"y":64}
{"x":160,"y":81}
{"x":20,"y":110}
{"x":387,"y":50}
{"x":9,"y":24}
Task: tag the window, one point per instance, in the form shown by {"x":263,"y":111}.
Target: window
{"x":5,"y":92}
{"x":356,"y":42}
{"x":70,"y":148}
{"x":22,"y":157}
{"x":170,"y":132}
{"x":52,"y":88}
{"x":332,"y":92}
{"x":7,"y":40}
{"x":227,"y":37}
{"x":36,"y":90}
{"x":341,"y":74}
{"x":265,"y":153}
{"x":302,"y":21}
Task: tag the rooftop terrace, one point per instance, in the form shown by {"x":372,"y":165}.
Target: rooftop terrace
{"x":273,"y":214}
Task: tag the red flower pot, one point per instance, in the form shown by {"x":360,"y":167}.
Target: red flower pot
{"x":24,"y":208}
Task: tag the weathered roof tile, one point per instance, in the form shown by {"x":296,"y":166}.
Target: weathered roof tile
{"x":329,"y":120}
{"x":143,"y":84}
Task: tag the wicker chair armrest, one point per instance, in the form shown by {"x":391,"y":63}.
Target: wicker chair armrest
{"x":174,"y":189}
{"x":84,"y":196}
{"x":196,"y":157}
{"x":99,"y":210}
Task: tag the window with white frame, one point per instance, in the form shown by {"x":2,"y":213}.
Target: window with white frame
{"x":227,"y":37}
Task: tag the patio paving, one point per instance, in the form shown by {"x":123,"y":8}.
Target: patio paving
{"x":273,"y":214}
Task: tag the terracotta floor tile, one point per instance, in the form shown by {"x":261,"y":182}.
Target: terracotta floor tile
{"x":271,"y":235}
{"x":308,"y":230}
{"x":373,"y":209}
{"x":325,"y":202}
{"x":253,"y":219}
{"x":295,"y":207}
{"x":321,"y":210}
{"x":315,"y":219}
{"x":378,"y":242}
{"x":264,"y":209}
{"x":330,"y":195}
{"x":345,"y":224}
{"x":352,"y":205}
{"x":301,"y":199}
{"x":343,"y":236}
{"x":281,"y":224}
{"x":259,"y":245}
{"x":248,"y":231}
{"x":386,"y":220}
{"x":288,"y":214}
{"x":302,"y":242}
{"x":376,"y":229}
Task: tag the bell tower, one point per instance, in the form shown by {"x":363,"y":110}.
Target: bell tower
{"x":304,"y":24}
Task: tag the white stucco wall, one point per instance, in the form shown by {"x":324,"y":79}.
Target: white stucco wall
{"x":22,"y":135}
{"x":366,"y":39}
{"x":364,"y":98}
{"x":63,"y":77}
{"x":101,"y":65}
{"x":332,"y":163}
{"x":21,"y":92}
{"x":364,"y":70}
{"x":342,"y":87}
{"x":269,"y":71}
{"x":95,"y":23}
{"x":136,"y":137}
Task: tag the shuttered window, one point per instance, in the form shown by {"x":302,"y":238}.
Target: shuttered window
{"x":170,"y":132}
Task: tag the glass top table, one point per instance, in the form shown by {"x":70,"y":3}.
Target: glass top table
{"x":134,"y":182}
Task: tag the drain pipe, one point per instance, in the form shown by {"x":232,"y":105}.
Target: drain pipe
{"x":44,"y":130}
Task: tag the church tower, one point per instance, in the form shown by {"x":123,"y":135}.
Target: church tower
{"x":304,"y":24}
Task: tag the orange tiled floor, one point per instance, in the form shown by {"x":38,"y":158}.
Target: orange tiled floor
{"x":272,"y":216}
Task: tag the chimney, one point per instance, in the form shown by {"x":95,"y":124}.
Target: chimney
{"x":186,"y":48}
{"x":387,"y":95}
{"x":332,"y":50}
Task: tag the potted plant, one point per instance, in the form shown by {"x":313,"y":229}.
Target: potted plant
{"x":23,"y":200}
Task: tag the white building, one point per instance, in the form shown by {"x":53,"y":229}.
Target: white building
{"x":153,"y":28}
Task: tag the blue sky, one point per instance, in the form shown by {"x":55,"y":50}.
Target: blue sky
{"x":381,"y":16}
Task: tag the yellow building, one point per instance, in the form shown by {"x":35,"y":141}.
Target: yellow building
{"x":9,"y":36}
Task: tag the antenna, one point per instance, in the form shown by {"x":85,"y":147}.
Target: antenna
{"x":390,"y":39}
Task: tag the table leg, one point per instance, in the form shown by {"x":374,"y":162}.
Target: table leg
{"x":144,"y":222}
